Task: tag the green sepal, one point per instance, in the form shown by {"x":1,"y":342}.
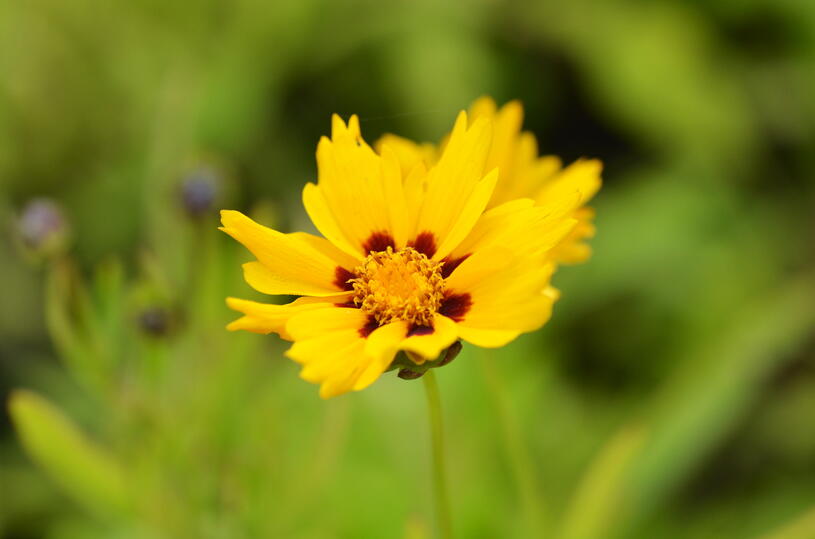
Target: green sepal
{"x":410,"y":370}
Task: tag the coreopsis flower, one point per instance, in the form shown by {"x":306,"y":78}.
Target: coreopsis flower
{"x":409,"y":259}
{"x":522,"y":172}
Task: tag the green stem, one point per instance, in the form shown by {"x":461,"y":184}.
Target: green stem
{"x":437,"y":434}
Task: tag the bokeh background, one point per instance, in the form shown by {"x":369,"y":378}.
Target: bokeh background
{"x":671,"y":396}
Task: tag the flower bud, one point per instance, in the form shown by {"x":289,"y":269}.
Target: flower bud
{"x":199,"y":191}
{"x":155,"y":321}
{"x":42,"y":227}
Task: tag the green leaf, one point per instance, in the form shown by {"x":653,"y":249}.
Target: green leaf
{"x":83,"y":469}
{"x":801,"y":528}
{"x":700,"y":404}
{"x":597,"y":498}
{"x":68,"y":311}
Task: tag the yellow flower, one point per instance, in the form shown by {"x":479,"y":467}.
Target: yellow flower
{"x":522,"y":173}
{"x":410,"y":261}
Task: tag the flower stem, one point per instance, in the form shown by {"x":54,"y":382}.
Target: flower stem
{"x":437,"y":434}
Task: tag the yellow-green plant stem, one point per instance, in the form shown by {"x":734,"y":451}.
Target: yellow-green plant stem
{"x":443,"y":516}
{"x":516,"y":450}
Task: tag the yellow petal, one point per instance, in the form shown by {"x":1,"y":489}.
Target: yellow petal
{"x":400,"y":221}
{"x":480,"y":265}
{"x":487,"y":338}
{"x":313,"y":323}
{"x":408,"y":153}
{"x":470,"y":214}
{"x":269,"y":318}
{"x":572,"y":249}
{"x":320,"y":214}
{"x":579,"y":181}
{"x":520,"y":227}
{"x":506,"y":295}
{"x":455,"y":188}
{"x":513,"y":152}
{"x":287,"y":264}
{"x":381,"y":347}
{"x":505,"y":146}
{"x":483,"y":107}
{"x":358,"y":196}
{"x":335,"y":348}
{"x":386,"y":337}
{"x":427,"y":343}
{"x":430,"y":345}
{"x":332,"y":360}
{"x":414,"y":188}
{"x":325,"y":246}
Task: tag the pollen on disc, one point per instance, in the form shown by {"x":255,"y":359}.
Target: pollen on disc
{"x":399,"y":285}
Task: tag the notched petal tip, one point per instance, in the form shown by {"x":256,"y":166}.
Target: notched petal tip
{"x":231,"y":217}
{"x":337,"y":123}
{"x":353,"y":126}
{"x":340,"y":130}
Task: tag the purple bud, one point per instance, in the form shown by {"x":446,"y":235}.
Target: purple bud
{"x":155,"y":321}
{"x":42,"y":226}
{"x":199,"y":190}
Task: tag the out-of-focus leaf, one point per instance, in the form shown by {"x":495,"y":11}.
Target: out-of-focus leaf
{"x":600,"y":490}
{"x":658,"y":71}
{"x":801,"y":528}
{"x":416,"y":529}
{"x":700,"y":404}
{"x":67,"y":312}
{"x":83,"y":469}
{"x":106,"y":327}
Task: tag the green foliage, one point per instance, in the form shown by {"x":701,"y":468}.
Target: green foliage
{"x":799,"y":529}
{"x":593,"y":510}
{"x":82,"y":468}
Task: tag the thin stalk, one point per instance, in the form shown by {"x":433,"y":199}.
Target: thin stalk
{"x":521,"y":463}
{"x":443,"y":516}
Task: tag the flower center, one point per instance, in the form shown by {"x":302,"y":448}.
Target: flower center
{"x":399,"y":285}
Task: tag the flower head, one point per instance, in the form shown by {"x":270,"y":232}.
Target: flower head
{"x":409,"y":259}
{"x":522,"y":172}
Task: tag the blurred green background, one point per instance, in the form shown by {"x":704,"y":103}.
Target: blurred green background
{"x":671,"y":396}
